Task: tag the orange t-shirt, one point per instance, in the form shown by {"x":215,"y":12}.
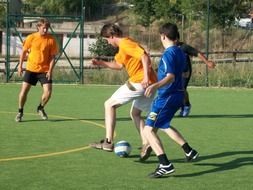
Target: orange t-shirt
{"x":41,"y":51}
{"x":129,"y":55}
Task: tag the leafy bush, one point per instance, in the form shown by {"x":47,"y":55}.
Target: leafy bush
{"x":102,"y":48}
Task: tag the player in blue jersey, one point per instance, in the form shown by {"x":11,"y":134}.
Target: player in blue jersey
{"x":170,"y":95}
{"x":187,"y":72}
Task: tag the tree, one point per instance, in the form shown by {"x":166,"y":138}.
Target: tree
{"x":2,"y":15}
{"x":102,"y":48}
{"x":150,"y":10}
{"x":58,"y":7}
{"x":145,"y":11}
{"x":64,"y":7}
{"x":223,"y":12}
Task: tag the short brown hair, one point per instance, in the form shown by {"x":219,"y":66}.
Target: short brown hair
{"x":110,"y":30}
{"x":43,"y":21}
{"x":170,"y":31}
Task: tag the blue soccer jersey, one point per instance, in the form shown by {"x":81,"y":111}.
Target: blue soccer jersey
{"x":173,"y":61}
{"x":170,"y":96}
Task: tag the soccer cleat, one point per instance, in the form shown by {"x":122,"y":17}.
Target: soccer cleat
{"x":103,"y":145}
{"x":18,"y":117}
{"x":192,"y":155}
{"x":162,"y":170}
{"x":145,"y":152}
{"x":186,"y":111}
{"x":42,"y":113}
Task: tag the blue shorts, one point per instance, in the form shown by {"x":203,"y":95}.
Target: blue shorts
{"x":164,"y":109}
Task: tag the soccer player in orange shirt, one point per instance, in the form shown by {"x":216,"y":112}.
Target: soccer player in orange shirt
{"x":41,"y":49}
{"x":136,"y":61}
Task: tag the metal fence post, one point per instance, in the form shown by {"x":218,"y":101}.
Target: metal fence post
{"x":7,"y":52}
{"x":207,"y":38}
{"x":81,"y":43}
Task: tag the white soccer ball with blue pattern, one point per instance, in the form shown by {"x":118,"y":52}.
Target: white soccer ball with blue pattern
{"x":122,"y":149}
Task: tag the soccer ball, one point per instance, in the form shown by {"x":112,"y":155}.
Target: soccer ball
{"x":122,"y":149}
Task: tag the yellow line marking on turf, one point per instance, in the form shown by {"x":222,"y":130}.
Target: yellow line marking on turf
{"x":44,"y":155}
{"x":53,"y":153}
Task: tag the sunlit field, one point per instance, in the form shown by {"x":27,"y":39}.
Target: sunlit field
{"x":54,"y":154}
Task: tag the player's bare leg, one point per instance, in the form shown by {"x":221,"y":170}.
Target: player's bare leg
{"x":110,"y":121}
{"x":153,"y":139}
{"x":175,"y":135}
{"x":23,"y":94}
{"x":47,"y":92}
{"x":110,"y":118}
{"x":135,"y":114}
{"x":22,"y":99}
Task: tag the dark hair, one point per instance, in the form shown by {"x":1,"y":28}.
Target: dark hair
{"x":170,"y":31}
{"x":110,"y":30}
{"x":43,"y":21}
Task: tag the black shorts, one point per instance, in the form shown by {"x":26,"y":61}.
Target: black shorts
{"x":32,"y":78}
{"x":187,"y":79}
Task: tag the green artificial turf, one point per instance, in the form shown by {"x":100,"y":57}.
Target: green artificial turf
{"x":54,"y":154}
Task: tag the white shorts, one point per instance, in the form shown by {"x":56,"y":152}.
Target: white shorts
{"x":124,"y":95}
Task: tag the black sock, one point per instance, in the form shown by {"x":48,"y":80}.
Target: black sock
{"x":20,"y":110}
{"x":186,"y":148}
{"x":109,"y":142}
{"x":40,"y":107}
{"x":163,"y":159}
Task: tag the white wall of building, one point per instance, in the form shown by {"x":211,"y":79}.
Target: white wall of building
{"x":15,"y":45}
{"x":72,"y":49}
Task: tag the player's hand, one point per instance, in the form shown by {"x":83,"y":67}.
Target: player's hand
{"x":150,"y":90}
{"x":20,"y":71}
{"x":49,"y":75}
{"x":145,"y":82}
{"x":211,"y":65}
{"x":96,"y":62}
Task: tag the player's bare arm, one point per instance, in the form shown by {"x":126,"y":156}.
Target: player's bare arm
{"x":146,"y":62}
{"x":21,"y":60}
{"x":51,"y":67}
{"x":210,"y":64}
{"x":152,"y":88}
{"x":109,"y":64}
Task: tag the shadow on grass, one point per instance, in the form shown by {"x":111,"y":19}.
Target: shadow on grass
{"x":74,"y":119}
{"x":220,"y":167}
{"x":217,"y":167}
{"x":89,"y":119}
{"x":222,"y":116}
{"x":32,"y":120}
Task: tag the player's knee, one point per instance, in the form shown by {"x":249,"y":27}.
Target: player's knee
{"x":110,"y":103}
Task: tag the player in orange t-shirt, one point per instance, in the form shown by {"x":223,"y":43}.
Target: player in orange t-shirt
{"x":137,"y":63}
{"x":41,"y":48}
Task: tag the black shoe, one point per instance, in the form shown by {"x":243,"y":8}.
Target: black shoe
{"x":18,"y":117}
{"x":162,"y":170}
{"x":42,"y":113}
{"x":192,"y":155}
